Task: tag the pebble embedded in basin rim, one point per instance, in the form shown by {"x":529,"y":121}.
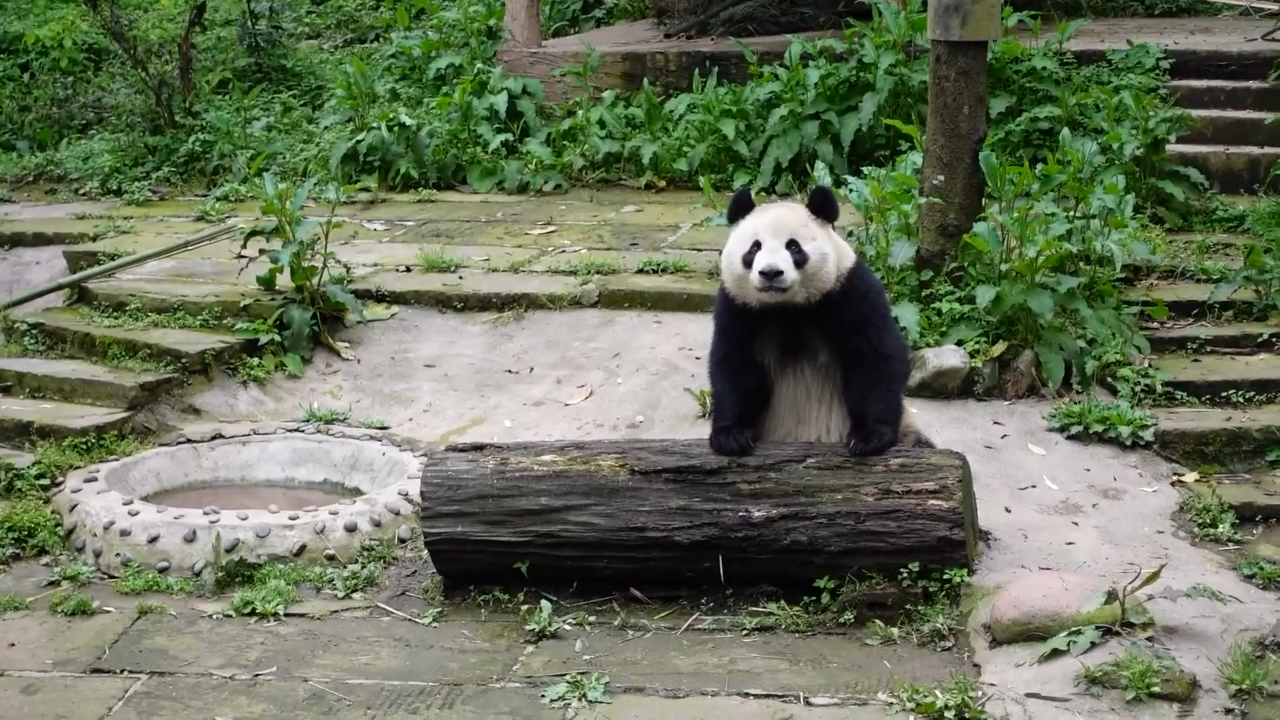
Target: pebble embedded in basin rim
{"x":110,"y":525}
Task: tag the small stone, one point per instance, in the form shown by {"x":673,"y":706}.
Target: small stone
{"x":78,"y":544}
{"x":298,"y":548}
{"x":72,"y":507}
{"x":1022,"y":378}
{"x":262,"y":532}
{"x":126,"y":501}
{"x":333,"y":511}
{"x":133,"y":512}
{"x":273,"y":509}
{"x":330,"y":555}
{"x":404,"y":534}
{"x":230,"y":544}
{"x":163,"y":566}
{"x":375,"y":521}
{"x":403,"y":492}
{"x":103,"y":490}
{"x":350,"y":525}
{"x":126,"y":559}
{"x":213,"y":519}
{"x":69,"y":527}
{"x":152,"y":537}
{"x":242,"y":515}
{"x":162,"y":508}
{"x":392,"y":507}
{"x":309,"y":431}
{"x":125,"y":531}
{"x":210,"y":510}
{"x":294,"y":516}
{"x":198,"y":567}
{"x":588,"y":295}
{"x":346,"y":501}
{"x":108,"y":524}
{"x":76,"y":489}
{"x":91,"y":479}
{"x":1044,"y":603}
{"x":189,"y":536}
{"x":96,"y":549}
{"x":938,"y":372}
{"x":319,"y":528}
{"x":310,"y":508}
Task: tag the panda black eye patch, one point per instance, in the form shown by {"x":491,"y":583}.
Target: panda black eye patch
{"x":799,"y":258}
{"x":749,"y":257}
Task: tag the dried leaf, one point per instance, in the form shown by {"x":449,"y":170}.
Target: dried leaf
{"x":1189,"y":477}
{"x":1049,"y":482}
{"x":582,"y":393}
{"x":541,"y":230}
{"x":375,"y":225}
{"x":1035,"y":449}
{"x":373,"y":312}
{"x":1150,"y":489}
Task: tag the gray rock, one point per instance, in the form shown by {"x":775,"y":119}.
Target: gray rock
{"x":1022,"y":379}
{"x":1042,"y":604}
{"x":938,"y":372}
{"x":588,"y":295}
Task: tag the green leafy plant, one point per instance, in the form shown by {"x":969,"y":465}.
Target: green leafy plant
{"x":1093,"y":419}
{"x":578,"y":690}
{"x":316,"y":296}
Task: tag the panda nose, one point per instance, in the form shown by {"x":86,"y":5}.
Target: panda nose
{"x":770,"y":274}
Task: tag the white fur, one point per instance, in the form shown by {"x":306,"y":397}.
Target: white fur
{"x":808,"y":400}
{"x":773,"y":224}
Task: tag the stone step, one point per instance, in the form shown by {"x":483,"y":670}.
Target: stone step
{"x":177,"y":295}
{"x":1258,"y":95}
{"x":1186,"y":299}
{"x":190,"y":349}
{"x":1231,"y":169}
{"x":1254,"y":496}
{"x":80,"y":381}
{"x":1227,"y":240}
{"x":1213,"y":376}
{"x":24,"y":418}
{"x":1262,"y":335}
{"x":15,"y":457}
{"x":1246,"y":128}
{"x":1234,"y":438}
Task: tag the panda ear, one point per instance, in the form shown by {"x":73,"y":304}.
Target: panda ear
{"x":740,"y":205}
{"x":822,"y":203}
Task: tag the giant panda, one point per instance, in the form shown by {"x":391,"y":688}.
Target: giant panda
{"x":804,"y":346}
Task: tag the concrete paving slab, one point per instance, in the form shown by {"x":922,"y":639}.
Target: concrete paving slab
{"x":22,"y":418}
{"x":343,"y":648}
{"x":730,"y":663}
{"x":61,"y":698}
{"x":37,"y":640}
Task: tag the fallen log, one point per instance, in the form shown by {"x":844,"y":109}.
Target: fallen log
{"x":668,"y":515}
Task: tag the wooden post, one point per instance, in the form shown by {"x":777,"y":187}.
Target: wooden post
{"x":956,"y":128}
{"x":523,"y":20}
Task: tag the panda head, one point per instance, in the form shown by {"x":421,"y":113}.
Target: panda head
{"x":785,"y":252}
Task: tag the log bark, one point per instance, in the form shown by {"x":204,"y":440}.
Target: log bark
{"x":523,"y":20}
{"x":669,"y":516}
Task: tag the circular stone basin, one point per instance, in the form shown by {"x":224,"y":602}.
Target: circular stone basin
{"x":128,"y":510}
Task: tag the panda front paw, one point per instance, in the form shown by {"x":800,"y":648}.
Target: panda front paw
{"x":876,"y":442}
{"x":731,"y":442}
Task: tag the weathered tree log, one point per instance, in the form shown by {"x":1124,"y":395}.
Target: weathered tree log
{"x":668,"y":515}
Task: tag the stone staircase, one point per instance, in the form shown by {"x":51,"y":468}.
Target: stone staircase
{"x":1233,"y":141}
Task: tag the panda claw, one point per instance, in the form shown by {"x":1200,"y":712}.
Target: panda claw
{"x":732,"y":442}
{"x":877,"y":444}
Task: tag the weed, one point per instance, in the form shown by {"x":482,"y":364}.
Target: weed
{"x":55,"y":458}
{"x":1259,"y":571}
{"x":137,"y":581}
{"x":1248,"y":670}
{"x":212,"y":210}
{"x":1212,"y":519}
{"x":317,"y":296}
{"x":151,"y":607}
{"x":424,"y":195}
{"x":72,"y":605}
{"x":29,"y":528}
{"x":316,"y":415}
{"x":578,"y":690}
{"x":135,"y":317}
{"x":701,"y":396}
{"x":374,"y":424}
{"x":71,"y":572}
{"x":958,"y":698}
{"x":1130,"y":611}
{"x":437,"y":261}
{"x":1137,"y":674}
{"x":662,"y":266}
{"x":541,"y":623}
{"x":269,"y":599}
{"x":13,"y":602}
{"x":591,"y":267}
{"x":1094,"y":419}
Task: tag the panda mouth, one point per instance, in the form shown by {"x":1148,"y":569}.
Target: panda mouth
{"x":774,"y":289}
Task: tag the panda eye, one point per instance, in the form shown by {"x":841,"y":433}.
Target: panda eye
{"x":755,"y":246}
{"x":793,"y":245}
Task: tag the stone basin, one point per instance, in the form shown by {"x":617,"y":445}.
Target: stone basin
{"x":110,"y":523}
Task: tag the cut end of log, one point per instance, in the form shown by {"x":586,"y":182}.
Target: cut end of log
{"x":670,"y":516}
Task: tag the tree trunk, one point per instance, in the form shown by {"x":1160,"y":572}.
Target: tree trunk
{"x":524,"y":23}
{"x":668,"y":515}
{"x":955,"y":130}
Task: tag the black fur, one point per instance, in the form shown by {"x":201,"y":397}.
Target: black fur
{"x":740,"y":205}
{"x":822,"y":204}
{"x":855,"y":323}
